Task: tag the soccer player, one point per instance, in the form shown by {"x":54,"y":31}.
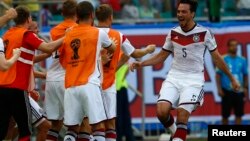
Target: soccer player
{"x":81,"y":59}
{"x":183,"y":87}
{"x":104,"y":15}
{"x":15,"y":81}
{"x":54,"y":89}
{"x":10,"y":14}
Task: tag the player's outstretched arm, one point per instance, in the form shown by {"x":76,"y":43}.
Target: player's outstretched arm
{"x":41,"y":57}
{"x":156,"y":59}
{"x":10,"y":14}
{"x":123,"y":59}
{"x":138,"y":53}
{"x":51,"y":46}
{"x":6,"y":64}
{"x":219,"y":62}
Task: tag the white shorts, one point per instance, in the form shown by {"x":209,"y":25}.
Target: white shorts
{"x":181,"y":91}
{"x":37,"y":113}
{"x":54,"y":100}
{"x":109,"y":100}
{"x":81,"y":101}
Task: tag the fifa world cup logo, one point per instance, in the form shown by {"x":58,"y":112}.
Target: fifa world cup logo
{"x":75,"y":45}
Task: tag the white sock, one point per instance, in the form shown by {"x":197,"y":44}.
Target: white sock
{"x":177,"y":139}
{"x":172,"y":128}
{"x":99,"y":138}
{"x":99,"y":135}
{"x":69,"y":138}
{"x":109,"y":139}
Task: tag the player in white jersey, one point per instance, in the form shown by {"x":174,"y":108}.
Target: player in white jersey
{"x":183,"y":87}
{"x":4,"y":63}
{"x":54,"y":90}
{"x":104,"y":15}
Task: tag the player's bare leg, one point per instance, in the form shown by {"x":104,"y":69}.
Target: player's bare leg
{"x":225,"y":121}
{"x":43,"y":129}
{"x":85,"y":130}
{"x":12,"y":131}
{"x":181,"y":122}
{"x":110,"y":130}
{"x":165,"y":116}
{"x":238,"y":120}
{"x":98,"y":131}
{"x":53,"y":133}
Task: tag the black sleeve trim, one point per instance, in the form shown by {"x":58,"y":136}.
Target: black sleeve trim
{"x":1,"y":51}
{"x":212,"y":50}
{"x":166,"y":50}
{"x":108,"y":46}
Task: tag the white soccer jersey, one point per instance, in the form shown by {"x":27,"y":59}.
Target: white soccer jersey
{"x":126,"y":47}
{"x":189,"y":48}
{"x":1,"y":46}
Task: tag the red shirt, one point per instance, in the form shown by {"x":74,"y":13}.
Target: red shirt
{"x":30,"y":42}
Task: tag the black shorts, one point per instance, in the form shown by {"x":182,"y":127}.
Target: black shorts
{"x":232,"y":101}
{"x":14,"y":103}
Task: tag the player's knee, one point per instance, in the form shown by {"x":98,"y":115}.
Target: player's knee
{"x":182,"y":115}
{"x":163,"y":109}
{"x":98,"y":126}
{"x":44,"y":126}
{"x":110,"y":124}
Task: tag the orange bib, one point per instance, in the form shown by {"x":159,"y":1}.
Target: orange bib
{"x":12,"y":39}
{"x":79,"y":53}
{"x":109,"y":69}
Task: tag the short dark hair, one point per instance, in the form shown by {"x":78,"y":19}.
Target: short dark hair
{"x":193,"y":4}
{"x":230,"y":41}
{"x":23,"y":15}
{"x":83,"y":10}
{"x":69,"y":8}
{"x":103,"y":12}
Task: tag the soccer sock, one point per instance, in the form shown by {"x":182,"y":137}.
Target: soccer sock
{"x":170,"y":124}
{"x":110,"y":135}
{"x":52,"y":135}
{"x":70,"y":136}
{"x":99,"y":135}
{"x":83,"y":136}
{"x":26,"y":138}
{"x":181,"y":132}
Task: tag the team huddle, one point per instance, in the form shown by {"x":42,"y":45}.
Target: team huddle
{"x":80,"y":91}
{"x":80,"y":88}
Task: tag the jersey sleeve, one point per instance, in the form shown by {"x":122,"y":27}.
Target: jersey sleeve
{"x":32,"y":40}
{"x":168,"y":45}
{"x":1,"y":46}
{"x":104,"y":38}
{"x":126,"y":47}
{"x":210,"y":41}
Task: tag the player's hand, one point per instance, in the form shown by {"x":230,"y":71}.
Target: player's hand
{"x":221,"y":93}
{"x":135,"y":65}
{"x":34,"y":95}
{"x":150,"y":48}
{"x":106,"y":57}
{"x":17,"y":52}
{"x":114,"y":41}
{"x":11,"y":13}
{"x":235,"y":85}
